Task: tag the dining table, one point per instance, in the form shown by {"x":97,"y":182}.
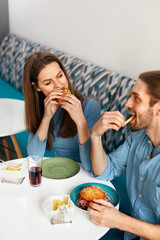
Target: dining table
{"x":22,"y":216}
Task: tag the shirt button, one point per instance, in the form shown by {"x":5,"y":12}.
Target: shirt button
{"x":139,"y":195}
{"x":141,"y":178}
{"x":149,"y":141}
{"x":135,"y":214}
{"x":147,"y":157}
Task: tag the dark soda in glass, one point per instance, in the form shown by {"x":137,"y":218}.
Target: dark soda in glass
{"x":35,"y":176}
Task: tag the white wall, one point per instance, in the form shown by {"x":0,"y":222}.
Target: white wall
{"x":4,"y":21}
{"x":121,"y":35}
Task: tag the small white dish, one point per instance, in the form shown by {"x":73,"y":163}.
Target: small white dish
{"x":13,"y":176}
{"x":63,"y":215}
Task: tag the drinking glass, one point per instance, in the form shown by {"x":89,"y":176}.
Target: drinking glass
{"x":35,"y":170}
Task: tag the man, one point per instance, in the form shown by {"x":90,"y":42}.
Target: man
{"x":138,"y":157}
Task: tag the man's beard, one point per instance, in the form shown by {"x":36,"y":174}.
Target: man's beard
{"x":144,"y":121}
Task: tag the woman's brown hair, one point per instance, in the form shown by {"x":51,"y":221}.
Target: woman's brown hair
{"x":34,"y":100}
{"x":152,"y":79}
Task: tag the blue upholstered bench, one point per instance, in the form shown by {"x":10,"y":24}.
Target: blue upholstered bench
{"x":8,"y":91}
{"x":111,"y":90}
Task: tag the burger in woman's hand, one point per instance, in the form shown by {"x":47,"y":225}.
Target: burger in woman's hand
{"x":64,"y":91}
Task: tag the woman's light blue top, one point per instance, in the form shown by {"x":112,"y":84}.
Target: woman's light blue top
{"x":142,"y":176}
{"x":69,"y":147}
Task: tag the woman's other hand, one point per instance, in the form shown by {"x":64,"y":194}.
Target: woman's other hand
{"x":74,"y":107}
{"x":51,"y":104}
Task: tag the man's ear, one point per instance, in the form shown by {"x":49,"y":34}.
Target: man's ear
{"x":36,"y":88}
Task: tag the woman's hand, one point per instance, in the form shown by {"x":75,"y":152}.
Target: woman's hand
{"x":74,"y":107}
{"x":50,"y":107}
{"x":51,"y":104}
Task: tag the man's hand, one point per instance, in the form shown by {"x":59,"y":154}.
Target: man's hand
{"x":109,"y":120}
{"x":104,"y":214}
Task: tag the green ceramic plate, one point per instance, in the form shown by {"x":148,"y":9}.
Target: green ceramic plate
{"x":110,"y":192}
{"x":59,"y":168}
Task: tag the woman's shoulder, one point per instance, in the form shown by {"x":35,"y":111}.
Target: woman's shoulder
{"x":92,"y":111}
{"x":90,"y":104}
{"x":90,"y":100}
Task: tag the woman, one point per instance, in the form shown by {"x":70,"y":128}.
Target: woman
{"x":53,"y":119}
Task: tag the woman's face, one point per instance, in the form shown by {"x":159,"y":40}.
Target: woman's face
{"x":50,"y":78}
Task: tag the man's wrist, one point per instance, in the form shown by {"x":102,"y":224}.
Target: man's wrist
{"x":95,"y":137}
{"x":122,"y":219}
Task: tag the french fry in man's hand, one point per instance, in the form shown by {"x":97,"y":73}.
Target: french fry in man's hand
{"x":127,"y":121}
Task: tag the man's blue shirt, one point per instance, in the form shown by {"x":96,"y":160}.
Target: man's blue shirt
{"x":142,"y":176}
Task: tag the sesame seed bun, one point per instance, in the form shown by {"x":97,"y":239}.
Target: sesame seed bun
{"x":92,"y":192}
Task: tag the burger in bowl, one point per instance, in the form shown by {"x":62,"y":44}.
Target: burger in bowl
{"x":89,"y":193}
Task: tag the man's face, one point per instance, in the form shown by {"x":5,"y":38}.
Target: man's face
{"x":139,"y":105}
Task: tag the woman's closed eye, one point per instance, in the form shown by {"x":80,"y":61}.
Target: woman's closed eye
{"x":47,"y":83}
{"x":59,"y":76}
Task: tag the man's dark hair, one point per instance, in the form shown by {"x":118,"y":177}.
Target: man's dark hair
{"x":152,"y":79}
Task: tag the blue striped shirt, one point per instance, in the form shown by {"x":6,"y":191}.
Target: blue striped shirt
{"x":133,"y":158}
